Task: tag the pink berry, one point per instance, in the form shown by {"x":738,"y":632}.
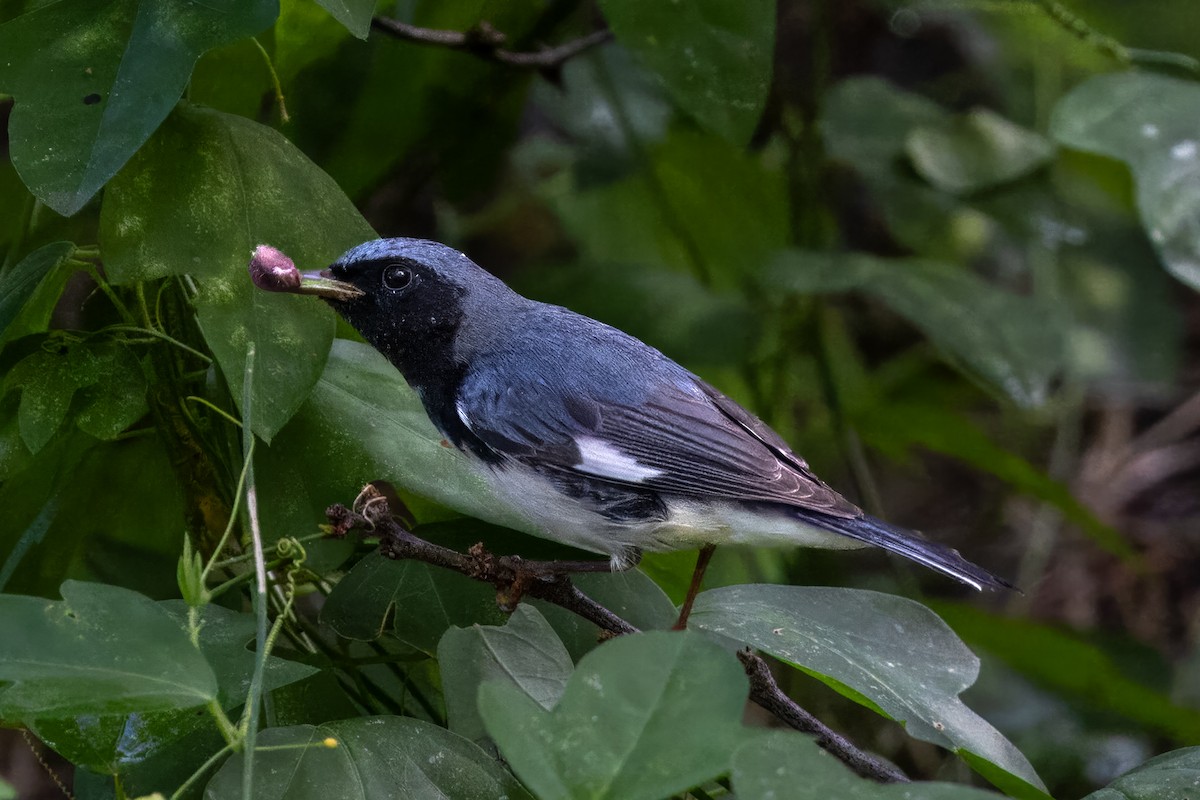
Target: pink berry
{"x":273,"y":271}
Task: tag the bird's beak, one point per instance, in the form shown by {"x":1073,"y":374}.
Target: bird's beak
{"x":322,"y":284}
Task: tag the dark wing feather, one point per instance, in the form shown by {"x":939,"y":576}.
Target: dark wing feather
{"x":699,"y":442}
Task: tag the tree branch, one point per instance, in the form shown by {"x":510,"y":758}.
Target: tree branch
{"x":484,"y":41}
{"x":515,"y":578}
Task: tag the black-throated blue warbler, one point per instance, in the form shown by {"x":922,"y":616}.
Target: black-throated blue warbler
{"x":602,"y":441}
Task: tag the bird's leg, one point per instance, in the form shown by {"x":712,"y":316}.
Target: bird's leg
{"x":685,"y":611}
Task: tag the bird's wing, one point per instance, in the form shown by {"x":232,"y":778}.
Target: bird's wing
{"x":683,"y":437}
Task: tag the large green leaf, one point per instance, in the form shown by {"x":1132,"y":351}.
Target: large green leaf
{"x":525,"y":652}
{"x":889,"y":653}
{"x":981,"y":327}
{"x":100,"y":650}
{"x":713,"y":57}
{"x":425,"y":600}
{"x":116,"y":743}
{"x":1095,"y":680}
{"x":1150,"y":122}
{"x":244,"y":183}
{"x":782,"y":765}
{"x":374,"y":757}
{"x":93,"y":81}
{"x":25,"y":279}
{"x":643,"y":716}
{"x":1171,"y":776}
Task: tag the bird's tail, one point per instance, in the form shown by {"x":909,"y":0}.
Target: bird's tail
{"x":869,"y":530}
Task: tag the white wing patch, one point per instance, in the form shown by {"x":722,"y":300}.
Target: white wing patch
{"x":462,"y":414}
{"x":598,"y":457}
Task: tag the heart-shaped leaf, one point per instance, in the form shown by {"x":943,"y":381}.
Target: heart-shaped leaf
{"x":246,"y":183}
{"x":525,"y":652}
{"x":100,"y":650}
{"x":93,"y":81}
{"x":643,"y":716}
{"x":888,"y":653}
{"x":1152,"y":123}
{"x":1171,"y":776}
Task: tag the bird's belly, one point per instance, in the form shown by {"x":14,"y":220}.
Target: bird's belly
{"x":674,"y":523}
{"x":694,"y":523}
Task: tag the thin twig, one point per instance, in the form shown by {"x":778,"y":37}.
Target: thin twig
{"x":766,"y":692}
{"x":514,"y":578}
{"x":484,"y":41}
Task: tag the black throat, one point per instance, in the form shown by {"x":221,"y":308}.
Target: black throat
{"x":420,"y":343}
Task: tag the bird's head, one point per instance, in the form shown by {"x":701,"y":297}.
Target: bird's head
{"x":414,"y":300}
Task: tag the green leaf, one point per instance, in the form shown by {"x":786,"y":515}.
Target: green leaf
{"x":366,"y":420}
{"x":103,"y":383}
{"x":976,"y":151}
{"x":7,"y":792}
{"x":393,"y":757}
{"x":779,"y":765}
{"x":100,"y":650}
{"x":247,"y":185}
{"x":26,"y":277}
{"x":117,"y":743}
{"x":427,"y":601}
{"x":354,"y":14}
{"x":1171,"y":776}
{"x":643,"y":716}
{"x":889,"y":653}
{"x":714,"y":58}
{"x":981,"y":327}
{"x":1151,"y":123}
{"x":1094,"y":680}
{"x":93,"y":82}
{"x":525,"y":652}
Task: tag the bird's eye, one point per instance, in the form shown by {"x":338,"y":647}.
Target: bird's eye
{"x":397,"y":277}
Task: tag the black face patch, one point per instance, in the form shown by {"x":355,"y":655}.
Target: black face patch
{"x":413,"y":320}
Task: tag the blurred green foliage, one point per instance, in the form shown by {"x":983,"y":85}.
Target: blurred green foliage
{"x":948,"y":249}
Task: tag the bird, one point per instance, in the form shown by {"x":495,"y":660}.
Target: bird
{"x":600,"y":440}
